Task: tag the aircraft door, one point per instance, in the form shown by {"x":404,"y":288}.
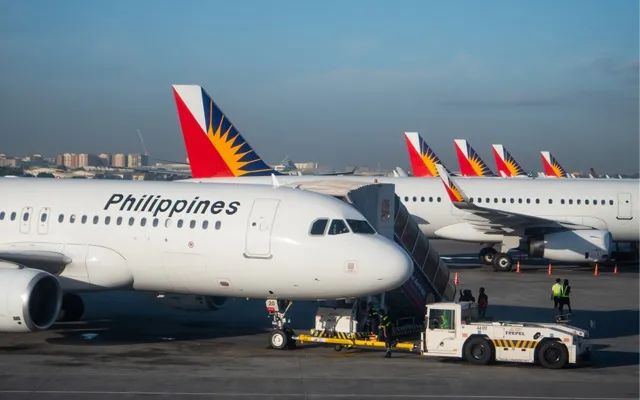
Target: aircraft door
{"x":43,"y":220}
{"x":258,"y":239}
{"x":624,"y":206}
{"x":25,"y":219}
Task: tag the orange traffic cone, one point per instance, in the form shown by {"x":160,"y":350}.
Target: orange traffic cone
{"x":596,"y":270}
{"x":549,"y":270}
{"x":615,"y":269}
{"x":518,"y":267}
{"x":456,"y":281}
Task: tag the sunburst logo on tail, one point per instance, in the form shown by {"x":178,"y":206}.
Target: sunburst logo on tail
{"x":469,"y":161}
{"x":452,"y":190}
{"x":423,"y":159}
{"x":551,"y":166}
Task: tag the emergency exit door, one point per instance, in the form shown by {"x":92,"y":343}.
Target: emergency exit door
{"x":624,"y":206}
{"x":258,"y":239}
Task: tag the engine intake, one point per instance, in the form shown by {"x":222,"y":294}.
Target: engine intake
{"x":573,"y":246}
{"x":30,"y":299}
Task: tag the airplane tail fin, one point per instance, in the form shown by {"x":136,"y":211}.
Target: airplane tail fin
{"x":423,"y":159}
{"x":551,"y":166}
{"x":214,"y":146}
{"x":506,"y":164}
{"x":455,"y":194}
{"x":470,"y":162}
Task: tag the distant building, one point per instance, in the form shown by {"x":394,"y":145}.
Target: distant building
{"x":8,"y":161}
{"x":104,"y":159}
{"x":88,"y":160}
{"x":119,"y":160}
{"x":136,"y":160}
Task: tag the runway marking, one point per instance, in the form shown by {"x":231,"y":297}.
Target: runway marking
{"x":307,"y":395}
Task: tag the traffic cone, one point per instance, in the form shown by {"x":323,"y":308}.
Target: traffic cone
{"x":518,"y":266}
{"x":456,"y":281}
{"x":596,"y":270}
{"x":615,"y":269}
{"x":549,"y":270}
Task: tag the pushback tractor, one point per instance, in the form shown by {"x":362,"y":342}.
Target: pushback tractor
{"x":450,"y":330}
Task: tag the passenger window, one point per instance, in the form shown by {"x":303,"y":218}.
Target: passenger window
{"x":519,"y":201}
{"x":119,"y":221}
{"x":528,"y":201}
{"x":438,"y":199}
{"x":537,"y":201}
{"x":192,"y":224}
{"x":218,"y":225}
{"x":611,"y":202}
{"x":180,"y":222}
{"x":1,"y":215}
{"x":96,"y":219}
{"x":586,"y":202}
{"x":479,"y":199}
{"x":25,"y":217}
{"x":511,"y":200}
{"x":406,"y":198}
{"x":561,"y":201}
{"x":13,"y":216}
{"x":205,"y":224}
{"x":430,"y":199}
{"x":155,"y":222}
{"x":470,"y":199}
{"x":83,"y":219}
{"x":577,"y":201}
{"x":318,"y":227}
{"x":504,"y":200}
{"x":131,"y":221}
{"x":338,"y":227}
{"x":487,"y":200}
{"x":143,"y":221}
{"x":442,"y":319}
{"x":360,"y":226}
{"x":414,"y":199}
{"x":495,"y":200}
{"x":43,"y":217}
{"x":550,"y":201}
{"x":107,"y":220}
{"x":72,"y":218}
{"x":595,"y":202}
{"x":602,"y":202}
{"x":60,"y":218}
{"x":422,"y":199}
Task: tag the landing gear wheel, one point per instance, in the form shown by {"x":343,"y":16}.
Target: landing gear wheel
{"x":72,"y":308}
{"x":502,"y":262}
{"x":552,"y":354}
{"x":487,"y":255}
{"x":279,"y":339}
{"x":478,"y":351}
{"x":338,"y":347}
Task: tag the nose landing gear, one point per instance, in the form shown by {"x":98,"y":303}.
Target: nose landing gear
{"x":281,"y":335}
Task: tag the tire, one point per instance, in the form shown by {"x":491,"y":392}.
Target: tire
{"x":553,"y":354}
{"x":478,"y":350}
{"x":487,"y":255}
{"x":279,"y":340}
{"x":338,"y":347}
{"x":72,"y":308}
{"x":502,"y":262}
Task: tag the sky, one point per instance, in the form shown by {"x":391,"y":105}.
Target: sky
{"x":334,"y":82}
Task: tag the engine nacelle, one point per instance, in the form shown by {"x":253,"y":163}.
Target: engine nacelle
{"x":30,"y":299}
{"x":573,"y":246}
{"x":190,"y":302}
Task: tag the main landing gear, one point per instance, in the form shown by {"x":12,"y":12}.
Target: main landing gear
{"x":281,"y":335}
{"x":487,"y":255}
{"x":502,"y":262}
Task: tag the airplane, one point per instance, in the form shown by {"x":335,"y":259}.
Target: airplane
{"x":423,"y":159}
{"x":469,"y":161}
{"x":506,"y":164}
{"x":551,"y":166}
{"x":531,"y":216}
{"x":221,"y":240}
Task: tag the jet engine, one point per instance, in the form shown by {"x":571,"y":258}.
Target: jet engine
{"x":30,"y":299}
{"x":190,"y":302}
{"x":573,"y":246}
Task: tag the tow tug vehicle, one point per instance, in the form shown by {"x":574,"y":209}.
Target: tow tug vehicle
{"x":452,"y":330}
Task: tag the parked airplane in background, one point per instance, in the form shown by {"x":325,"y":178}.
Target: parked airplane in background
{"x":551,"y":166}
{"x":215,"y":240}
{"x":422,"y":158}
{"x":539,"y":217}
{"x":507,"y":165}
{"x":469,"y":161}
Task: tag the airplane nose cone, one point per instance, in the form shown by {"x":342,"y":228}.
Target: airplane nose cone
{"x":397,"y":266}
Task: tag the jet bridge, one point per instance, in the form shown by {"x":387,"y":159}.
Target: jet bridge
{"x":386,"y":213}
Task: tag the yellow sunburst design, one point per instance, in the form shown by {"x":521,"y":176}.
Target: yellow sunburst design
{"x":557,"y":170}
{"x":477,"y":166}
{"x":512,"y":167}
{"x":223,"y":143}
{"x":430,"y":162}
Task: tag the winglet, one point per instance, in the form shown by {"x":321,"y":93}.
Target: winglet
{"x":455,"y":194}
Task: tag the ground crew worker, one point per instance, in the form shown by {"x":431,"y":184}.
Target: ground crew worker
{"x":445,"y":322}
{"x":483,"y":302}
{"x":556,"y":291}
{"x":564,"y":296}
{"x":385,"y":332}
{"x":373,"y":319}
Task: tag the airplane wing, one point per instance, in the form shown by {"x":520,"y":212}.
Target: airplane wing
{"x":492,"y":221}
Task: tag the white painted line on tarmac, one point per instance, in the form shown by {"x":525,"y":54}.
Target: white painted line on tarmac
{"x":306,"y":395}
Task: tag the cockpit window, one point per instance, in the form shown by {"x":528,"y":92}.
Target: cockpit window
{"x":360,"y":226}
{"x":338,"y":227}
{"x":318,"y":227}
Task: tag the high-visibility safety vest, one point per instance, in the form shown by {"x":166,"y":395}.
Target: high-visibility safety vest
{"x":556,"y":289}
{"x":564,"y":292}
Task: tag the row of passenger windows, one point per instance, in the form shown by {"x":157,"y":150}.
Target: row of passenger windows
{"x":338,"y":226}
{"x":118,"y":220}
{"x":512,"y":200}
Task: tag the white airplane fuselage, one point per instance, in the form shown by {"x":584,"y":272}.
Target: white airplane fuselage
{"x":427,"y":200}
{"x":218,"y":239}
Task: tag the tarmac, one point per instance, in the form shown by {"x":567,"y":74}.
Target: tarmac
{"x":130,"y":347}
